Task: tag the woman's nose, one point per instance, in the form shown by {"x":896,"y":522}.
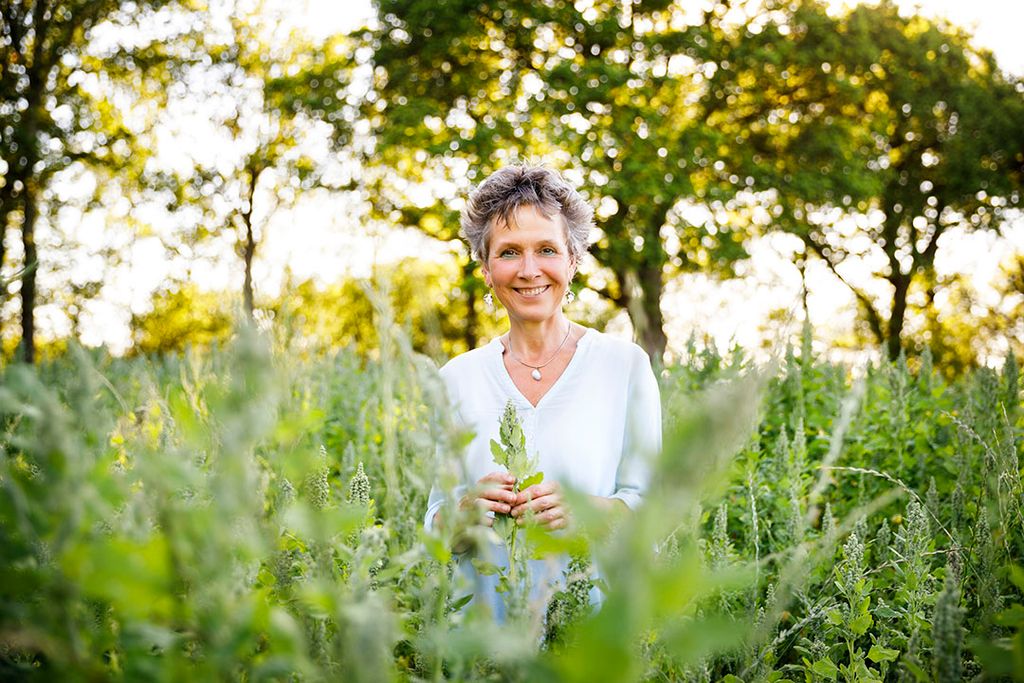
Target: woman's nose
{"x":529,"y":268}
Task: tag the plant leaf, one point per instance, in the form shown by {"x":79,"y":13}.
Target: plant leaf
{"x":536,"y":478}
{"x":825,"y":668}
{"x":878,"y":654}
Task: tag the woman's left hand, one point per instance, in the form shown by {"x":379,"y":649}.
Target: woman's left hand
{"x":546,"y":503}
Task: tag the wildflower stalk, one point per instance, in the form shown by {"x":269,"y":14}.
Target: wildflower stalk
{"x":946,"y":635}
{"x":511,"y":454}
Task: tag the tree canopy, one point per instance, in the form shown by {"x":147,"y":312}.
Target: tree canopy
{"x":611,"y":93}
{"x":874,"y":134}
{"x":780,"y":117}
{"x":70,"y":100}
{"x":868,"y":134}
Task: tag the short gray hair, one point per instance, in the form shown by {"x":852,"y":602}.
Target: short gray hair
{"x":506,"y":190}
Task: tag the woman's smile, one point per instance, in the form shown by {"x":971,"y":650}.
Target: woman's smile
{"x":531,"y":292}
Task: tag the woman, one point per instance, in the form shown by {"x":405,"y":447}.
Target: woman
{"x":588,"y":402}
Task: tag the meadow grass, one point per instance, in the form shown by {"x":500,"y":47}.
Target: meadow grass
{"x":254,"y":513}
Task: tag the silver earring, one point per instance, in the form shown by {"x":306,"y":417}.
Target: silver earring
{"x":489,"y":300}
{"x":570,"y":296}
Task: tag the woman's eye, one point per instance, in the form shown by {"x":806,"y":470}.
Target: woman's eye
{"x":548,"y":251}
{"x":507,"y":253}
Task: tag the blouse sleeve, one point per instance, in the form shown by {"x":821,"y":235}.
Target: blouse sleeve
{"x":434,"y":503}
{"x":642,"y":439}
{"x":438,"y":494}
{"x":437,"y":500}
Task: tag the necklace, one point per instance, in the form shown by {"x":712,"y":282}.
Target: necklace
{"x":536,"y":368}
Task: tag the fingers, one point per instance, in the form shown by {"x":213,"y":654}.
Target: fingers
{"x":498,"y":477}
{"x":496,"y":494}
{"x":551,"y":519}
{"x":506,"y":496}
{"x":545,"y":488}
{"x":536,"y":505}
{"x":544,"y":504}
{"x":538,"y":497}
{"x":497,"y":486}
{"x":493,"y":506}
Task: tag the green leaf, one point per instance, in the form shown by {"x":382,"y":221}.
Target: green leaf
{"x":437,"y":548}
{"x":864,"y":604}
{"x":461,"y":602}
{"x":503,"y":525}
{"x":835,"y":617}
{"x":825,"y":668}
{"x":485,"y":568}
{"x":879,"y":654}
{"x":531,"y":480}
{"x":886,"y":612}
{"x":1011,"y":616}
{"x":913,"y":667}
{"x":861,"y":624}
{"x":1017,"y":575}
{"x":500,"y":457}
{"x":997,"y":656}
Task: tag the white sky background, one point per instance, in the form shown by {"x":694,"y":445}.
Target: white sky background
{"x":326,"y":239}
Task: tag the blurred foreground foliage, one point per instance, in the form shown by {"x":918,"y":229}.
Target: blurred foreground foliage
{"x":254,"y":513}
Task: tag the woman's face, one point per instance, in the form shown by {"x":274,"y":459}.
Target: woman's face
{"x":528,"y":265}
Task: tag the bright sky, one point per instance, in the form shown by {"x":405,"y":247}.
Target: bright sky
{"x":324,"y":239}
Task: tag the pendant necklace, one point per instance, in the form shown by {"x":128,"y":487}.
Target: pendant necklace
{"x":535,"y":374}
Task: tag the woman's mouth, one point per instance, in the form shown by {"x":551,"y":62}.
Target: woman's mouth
{"x":533,"y":291}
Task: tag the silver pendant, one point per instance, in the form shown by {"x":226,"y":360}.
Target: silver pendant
{"x":535,"y":374}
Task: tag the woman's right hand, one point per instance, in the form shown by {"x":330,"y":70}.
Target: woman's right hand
{"x":492,"y":493}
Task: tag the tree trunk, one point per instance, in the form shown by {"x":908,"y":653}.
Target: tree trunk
{"x":28,"y":278}
{"x":894,"y":329}
{"x":249,"y":247}
{"x":247,"y":255}
{"x":470,"y":284}
{"x":6,"y":208}
{"x":642,"y":293}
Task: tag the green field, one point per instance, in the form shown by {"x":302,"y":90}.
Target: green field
{"x":200,"y":517}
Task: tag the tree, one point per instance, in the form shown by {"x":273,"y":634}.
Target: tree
{"x":883,"y":127}
{"x":309,"y":317}
{"x":967,"y":325}
{"x":613,"y":92}
{"x":270,"y":145}
{"x":54,"y":111}
{"x":181,"y":317}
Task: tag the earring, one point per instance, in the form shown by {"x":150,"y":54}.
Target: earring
{"x":489,"y":300}
{"x":570,"y":296}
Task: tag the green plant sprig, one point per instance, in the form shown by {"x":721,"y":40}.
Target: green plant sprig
{"x":511,"y":454}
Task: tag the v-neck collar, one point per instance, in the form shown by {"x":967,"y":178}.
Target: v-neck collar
{"x":510,"y":385}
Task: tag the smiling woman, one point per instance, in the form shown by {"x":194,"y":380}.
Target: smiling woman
{"x":529,"y":269}
{"x":588,"y":403}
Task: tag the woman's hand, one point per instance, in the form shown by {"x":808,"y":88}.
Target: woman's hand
{"x":492,"y":493}
{"x":546,"y":503}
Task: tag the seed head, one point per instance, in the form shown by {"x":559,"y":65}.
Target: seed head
{"x":946,"y":633}
{"x":359,"y":487}
{"x":511,"y":432}
{"x":828,"y":522}
{"x":318,"y":488}
{"x":883,"y":541}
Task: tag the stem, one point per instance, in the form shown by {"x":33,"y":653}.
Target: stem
{"x":849,"y":648}
{"x":512,"y":544}
{"x":512,"y":554}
